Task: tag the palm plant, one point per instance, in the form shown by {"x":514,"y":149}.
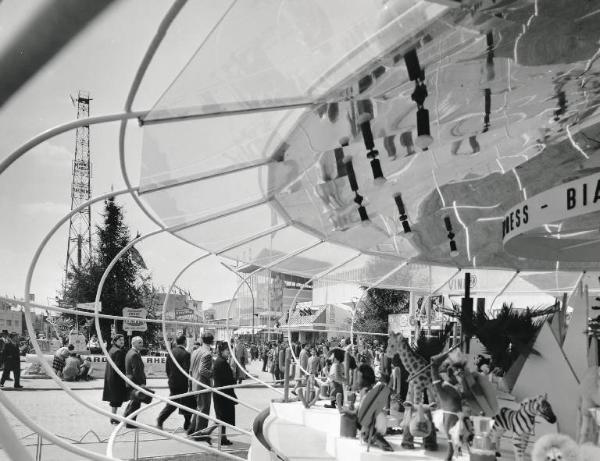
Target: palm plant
{"x":507,"y":335}
{"x":428,"y":346}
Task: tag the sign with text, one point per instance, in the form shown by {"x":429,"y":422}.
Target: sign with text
{"x":135,"y":319}
{"x":526,"y":228}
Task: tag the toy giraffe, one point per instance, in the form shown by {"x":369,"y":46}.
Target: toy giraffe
{"x":413,"y":362}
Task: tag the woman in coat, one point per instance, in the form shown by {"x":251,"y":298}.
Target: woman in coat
{"x":115,"y":390}
{"x":223,"y":376}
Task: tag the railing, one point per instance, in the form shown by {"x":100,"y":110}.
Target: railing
{"x":39,"y":440}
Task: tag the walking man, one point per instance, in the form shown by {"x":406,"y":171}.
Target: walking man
{"x":12,"y":361}
{"x":115,"y":390}
{"x":201,"y":369}
{"x":134,"y":369}
{"x":178,"y":383}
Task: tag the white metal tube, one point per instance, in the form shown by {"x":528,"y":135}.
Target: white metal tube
{"x":107,"y":271}
{"x":293,"y":303}
{"x":503,"y":289}
{"x":272,"y":264}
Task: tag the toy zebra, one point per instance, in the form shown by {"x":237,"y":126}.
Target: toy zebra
{"x":521,"y":423}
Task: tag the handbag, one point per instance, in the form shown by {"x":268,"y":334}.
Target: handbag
{"x":142,"y":397}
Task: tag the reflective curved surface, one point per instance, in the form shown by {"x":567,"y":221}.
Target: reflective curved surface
{"x":512,"y":112}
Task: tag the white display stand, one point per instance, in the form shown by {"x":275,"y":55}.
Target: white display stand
{"x":550,"y":373}
{"x":575,"y":345}
{"x":301,"y":434}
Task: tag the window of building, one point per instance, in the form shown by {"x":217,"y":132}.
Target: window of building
{"x":9,"y":323}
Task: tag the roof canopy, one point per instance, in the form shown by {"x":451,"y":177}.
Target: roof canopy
{"x":242,"y":154}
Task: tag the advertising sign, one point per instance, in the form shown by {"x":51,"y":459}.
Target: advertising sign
{"x":525,"y":227}
{"x":135,"y":319}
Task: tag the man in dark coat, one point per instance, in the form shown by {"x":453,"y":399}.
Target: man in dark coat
{"x":201,"y":370}
{"x":134,"y":369}
{"x":115,"y":390}
{"x":178,"y":384}
{"x":223,"y":376}
{"x":12,"y":361}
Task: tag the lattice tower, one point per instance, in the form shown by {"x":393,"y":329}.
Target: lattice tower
{"x":79,"y":246}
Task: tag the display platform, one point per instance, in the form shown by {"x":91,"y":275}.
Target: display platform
{"x":297,"y":434}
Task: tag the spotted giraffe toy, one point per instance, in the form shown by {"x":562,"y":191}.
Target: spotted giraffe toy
{"x":413,"y":362}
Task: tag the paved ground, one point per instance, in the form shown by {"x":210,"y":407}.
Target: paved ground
{"x":55,"y":410}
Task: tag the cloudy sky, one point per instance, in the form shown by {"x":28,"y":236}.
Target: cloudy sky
{"x":35,"y":191}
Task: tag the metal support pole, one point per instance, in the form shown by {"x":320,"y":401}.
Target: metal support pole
{"x":38,"y":448}
{"x":286,"y":375}
{"x":136,"y":444}
{"x":219,"y":436}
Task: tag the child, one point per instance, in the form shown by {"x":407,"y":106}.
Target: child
{"x":336,"y":376}
{"x":84,"y":369}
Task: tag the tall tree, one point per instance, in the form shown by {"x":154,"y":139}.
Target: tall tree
{"x":373,"y":310}
{"x":125,"y":286}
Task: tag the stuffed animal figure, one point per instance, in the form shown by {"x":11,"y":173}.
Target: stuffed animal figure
{"x":521,"y":423}
{"x":461,"y":433}
{"x":417,"y":420}
{"x":560,"y":447}
{"x":417,"y":387}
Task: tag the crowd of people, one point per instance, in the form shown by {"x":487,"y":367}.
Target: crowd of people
{"x":209,"y":368}
{"x":315,"y":358}
{"x":212,"y":366}
{"x":10,"y":358}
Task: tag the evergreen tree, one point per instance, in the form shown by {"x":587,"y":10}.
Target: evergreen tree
{"x":373,"y":310}
{"x":125,"y":286}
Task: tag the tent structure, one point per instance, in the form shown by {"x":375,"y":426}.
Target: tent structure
{"x":392,"y":143}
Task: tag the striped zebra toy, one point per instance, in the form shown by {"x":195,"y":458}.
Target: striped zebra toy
{"x":521,"y":423}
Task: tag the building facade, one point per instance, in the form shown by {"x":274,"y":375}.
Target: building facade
{"x":11,"y":319}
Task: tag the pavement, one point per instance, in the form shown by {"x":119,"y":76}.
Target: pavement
{"x":44,"y":383}
{"x":56,"y":411}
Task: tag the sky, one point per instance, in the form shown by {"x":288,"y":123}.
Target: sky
{"x":35,"y":191}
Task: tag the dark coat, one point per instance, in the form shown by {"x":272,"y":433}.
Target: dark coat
{"x":178,"y":382}
{"x":12,"y":355}
{"x":134,"y":367}
{"x":223,"y":376}
{"x":115,"y":390}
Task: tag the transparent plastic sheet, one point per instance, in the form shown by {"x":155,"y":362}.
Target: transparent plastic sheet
{"x":315,"y":260}
{"x":191,"y":149}
{"x":425,"y":278}
{"x":289,"y":51}
{"x":217,"y":234}
{"x":268,"y":249}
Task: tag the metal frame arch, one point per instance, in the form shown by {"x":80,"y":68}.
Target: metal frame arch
{"x":293,"y":303}
{"x":124,"y":250}
{"x":47,"y":368}
{"x":164,"y":321}
{"x":364,"y":293}
{"x":170,"y":351}
{"x":393,"y":271}
{"x":244,"y":280}
{"x":50,"y":371}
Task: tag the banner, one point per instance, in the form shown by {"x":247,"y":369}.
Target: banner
{"x":526,"y":230}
